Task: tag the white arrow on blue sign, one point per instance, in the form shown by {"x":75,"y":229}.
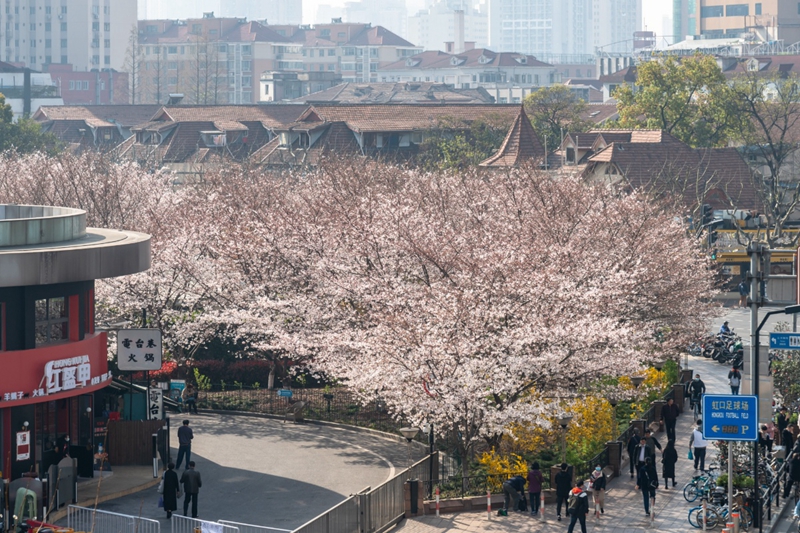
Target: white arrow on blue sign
{"x":784,"y":341}
{"x":730,"y":417}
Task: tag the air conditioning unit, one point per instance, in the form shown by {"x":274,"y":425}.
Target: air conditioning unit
{"x":61,"y":17}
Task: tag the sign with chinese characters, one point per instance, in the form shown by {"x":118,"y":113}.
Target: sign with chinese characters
{"x":54,"y":372}
{"x":155,"y":404}
{"x":730,"y":417}
{"x":139,"y":349}
{"x":23,"y":445}
{"x":784,"y":341}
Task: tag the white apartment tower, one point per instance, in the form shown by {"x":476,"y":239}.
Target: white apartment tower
{"x":436,"y":25}
{"x":89,"y":34}
{"x":554,"y":30}
{"x":391,"y":14}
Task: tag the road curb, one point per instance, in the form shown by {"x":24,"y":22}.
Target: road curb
{"x":90,"y":503}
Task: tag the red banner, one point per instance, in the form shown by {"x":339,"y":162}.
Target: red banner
{"x":53,"y":372}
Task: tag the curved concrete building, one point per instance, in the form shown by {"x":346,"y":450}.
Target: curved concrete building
{"x":51,"y":358}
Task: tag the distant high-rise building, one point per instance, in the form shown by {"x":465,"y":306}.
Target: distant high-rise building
{"x":563,"y":30}
{"x":326,"y":12}
{"x":391,"y":14}
{"x":766,"y":20}
{"x":89,"y":34}
{"x":273,"y":11}
{"x":431,"y":28}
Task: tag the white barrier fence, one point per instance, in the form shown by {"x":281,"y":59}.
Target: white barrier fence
{"x":96,"y":521}
{"x":184,"y":524}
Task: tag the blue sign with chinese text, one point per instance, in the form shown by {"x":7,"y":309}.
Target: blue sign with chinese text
{"x":730,"y":417}
{"x":784,"y":341}
{"x":285,"y":393}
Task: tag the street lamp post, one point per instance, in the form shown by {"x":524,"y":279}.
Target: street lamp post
{"x":409,"y":434}
{"x":754,"y":371}
{"x":427,"y":428}
{"x":564,"y":421}
{"x":637,"y":380}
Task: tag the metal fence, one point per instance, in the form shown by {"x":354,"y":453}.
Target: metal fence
{"x":371,"y":510}
{"x":184,"y":524}
{"x":96,"y":521}
{"x":583,"y":469}
{"x":250,"y":528}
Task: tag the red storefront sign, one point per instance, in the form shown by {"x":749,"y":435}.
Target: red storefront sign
{"x":53,"y":372}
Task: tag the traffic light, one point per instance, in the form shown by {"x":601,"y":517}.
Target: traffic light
{"x":707,"y":214}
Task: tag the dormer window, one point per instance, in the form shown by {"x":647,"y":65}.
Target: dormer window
{"x":484,"y":59}
{"x":455,"y":61}
{"x":522,"y":60}
{"x":752,"y":65}
{"x":412,"y":62}
{"x":214,"y":138}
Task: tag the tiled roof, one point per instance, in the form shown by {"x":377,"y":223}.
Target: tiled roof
{"x":671,"y":167}
{"x":273,"y":115}
{"x":520,"y":146}
{"x":599,"y":113}
{"x":397,"y":93}
{"x":626,"y":75}
{"x":409,"y":117}
{"x":99,"y":115}
{"x":475,"y":58}
{"x":378,"y":36}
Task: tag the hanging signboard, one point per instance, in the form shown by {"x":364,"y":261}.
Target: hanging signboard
{"x":139,"y":349}
{"x":155,"y":404}
{"x":23,"y":445}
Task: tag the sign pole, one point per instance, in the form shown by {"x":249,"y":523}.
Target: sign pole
{"x":730,"y":474}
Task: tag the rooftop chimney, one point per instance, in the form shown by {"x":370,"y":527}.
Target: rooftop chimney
{"x":458,"y":45}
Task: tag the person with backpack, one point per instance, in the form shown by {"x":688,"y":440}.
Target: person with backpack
{"x":744,"y":291}
{"x":734,"y":380}
{"x":633,"y":442}
{"x":597,"y":481}
{"x":563,"y":487}
{"x":647,"y":482}
{"x":577,"y":507}
{"x":535,"y":480}
{"x":513,"y":491}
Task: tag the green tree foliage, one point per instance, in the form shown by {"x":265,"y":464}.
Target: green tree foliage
{"x":786,"y":374}
{"x":555,"y":110}
{"x":688,"y":97}
{"x":24,"y":136}
{"x":455,"y":143}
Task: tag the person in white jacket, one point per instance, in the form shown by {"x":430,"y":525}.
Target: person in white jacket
{"x":699,"y":444}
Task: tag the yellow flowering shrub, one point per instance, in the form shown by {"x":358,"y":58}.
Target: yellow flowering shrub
{"x":591,"y":427}
{"x":501,"y":467}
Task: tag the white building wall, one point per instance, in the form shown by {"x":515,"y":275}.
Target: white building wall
{"x":274,"y":11}
{"x":391,"y":14}
{"x":431,"y":28}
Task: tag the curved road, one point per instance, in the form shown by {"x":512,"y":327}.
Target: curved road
{"x":264,"y":472}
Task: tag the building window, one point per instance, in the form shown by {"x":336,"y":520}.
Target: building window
{"x":63,"y":43}
{"x":106,"y":26}
{"x":106,"y":60}
{"x":48,"y":26}
{"x":71,"y":85}
{"x":172,"y":49}
{"x":63,"y":26}
{"x":63,"y":10}
{"x":95,"y":26}
{"x":245,"y":66}
{"x":51,"y":321}
{"x":85,"y":85}
{"x":247,"y":81}
{"x":711,"y":11}
{"x":758,"y":9}
{"x":172,"y":65}
{"x":246,"y":49}
{"x":151,"y":29}
{"x":737,"y":10}
{"x":331,"y":52}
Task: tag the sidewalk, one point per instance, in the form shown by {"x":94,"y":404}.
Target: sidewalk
{"x":624,"y":506}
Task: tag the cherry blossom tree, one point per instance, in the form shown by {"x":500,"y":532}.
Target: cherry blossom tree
{"x":472,"y":300}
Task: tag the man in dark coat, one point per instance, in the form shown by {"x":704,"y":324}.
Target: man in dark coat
{"x":185,"y":437}
{"x":171,"y":488}
{"x":513,"y":490}
{"x":191,"y":486}
{"x":563,"y":487}
{"x":580,"y":509}
{"x":647,"y":482}
{"x":633,"y":442}
{"x":669,"y":414}
{"x":642,"y":452}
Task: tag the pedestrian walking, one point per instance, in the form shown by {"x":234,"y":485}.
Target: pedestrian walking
{"x":578,"y":507}
{"x":647,"y":482}
{"x":668,"y":459}
{"x":744,"y":291}
{"x":794,"y":475}
{"x":642,"y":454}
{"x":191,"y":487}
{"x":172,"y":489}
{"x":563,"y":487}
{"x":633,"y":442}
{"x":669,"y":414}
{"x":185,"y":437}
{"x":513,"y":490}
{"x":782,"y":420}
{"x":700,"y":444}
{"x":535,"y":481}
{"x":787,"y":439}
{"x":734,"y":380}
{"x":597,"y":482}
{"x":652,"y":441}
{"x":765,"y":441}
{"x":189,"y":396}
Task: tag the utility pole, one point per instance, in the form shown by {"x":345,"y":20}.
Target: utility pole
{"x":754,"y":250}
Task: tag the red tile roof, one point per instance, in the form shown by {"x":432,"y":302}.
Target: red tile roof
{"x":475,"y":58}
{"x":520,"y":146}
{"x":397,"y":93}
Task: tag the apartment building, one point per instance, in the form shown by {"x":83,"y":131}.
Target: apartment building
{"x":89,"y":34}
{"x":446,"y":21}
{"x":221,"y":60}
{"x":765,"y":20}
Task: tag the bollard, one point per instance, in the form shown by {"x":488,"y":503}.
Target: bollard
{"x":705,"y":513}
{"x":541,"y":508}
{"x":437,"y":501}
{"x":729,"y":527}
{"x":489,"y":504}
{"x":735,"y":517}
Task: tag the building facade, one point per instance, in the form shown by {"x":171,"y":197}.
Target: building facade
{"x":52,"y":360}
{"x":431,"y":28}
{"x":765,"y":20}
{"x":274,"y":12}
{"x":98,"y":87}
{"x":89,"y":34}
{"x":391,"y":14}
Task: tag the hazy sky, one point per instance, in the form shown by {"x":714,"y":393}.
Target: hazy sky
{"x":654,"y":10}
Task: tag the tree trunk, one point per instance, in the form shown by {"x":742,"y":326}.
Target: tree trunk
{"x":271,"y":378}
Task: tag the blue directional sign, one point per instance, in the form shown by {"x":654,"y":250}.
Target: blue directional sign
{"x":285,"y":393}
{"x":784,"y":341}
{"x":730,"y":417}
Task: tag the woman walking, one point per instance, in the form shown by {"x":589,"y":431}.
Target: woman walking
{"x":668,"y":459}
{"x":597,"y":481}
{"x":535,"y":480}
{"x":171,"y":489}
